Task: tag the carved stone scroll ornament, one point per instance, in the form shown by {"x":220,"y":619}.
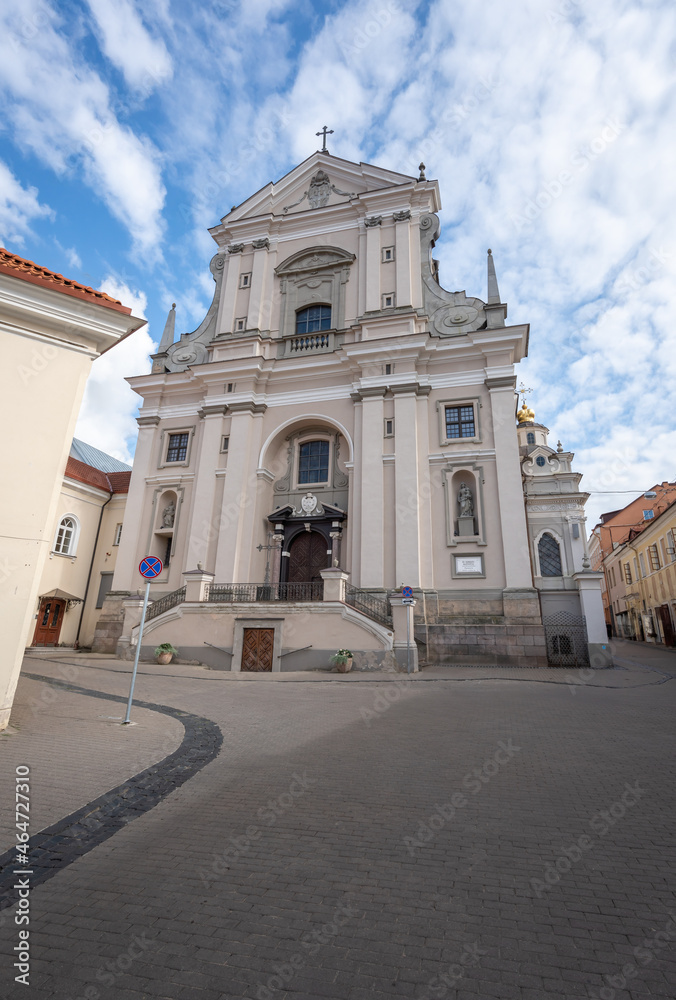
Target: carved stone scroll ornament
{"x":191,"y":348}
{"x":283,"y":485}
{"x":309,"y":507}
{"x":450,"y":313}
{"x":340,"y":480}
{"x":373,"y":220}
{"x":319,"y":192}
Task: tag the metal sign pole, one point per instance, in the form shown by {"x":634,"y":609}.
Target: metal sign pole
{"x":408,"y":640}
{"x":138,"y":652}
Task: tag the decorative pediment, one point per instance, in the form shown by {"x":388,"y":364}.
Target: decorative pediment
{"x":318,"y":181}
{"x":314,"y":259}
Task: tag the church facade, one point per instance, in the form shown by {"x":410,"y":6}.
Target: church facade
{"x":339,"y":426}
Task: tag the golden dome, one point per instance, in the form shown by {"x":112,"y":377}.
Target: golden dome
{"x":525,"y":415}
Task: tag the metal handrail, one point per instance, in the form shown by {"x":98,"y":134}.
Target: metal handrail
{"x":370,"y":605}
{"x":165,"y":603}
{"x":253,"y":593}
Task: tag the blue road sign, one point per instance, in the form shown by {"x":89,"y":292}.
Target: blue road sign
{"x":150,"y":567}
{"x":407,"y":591}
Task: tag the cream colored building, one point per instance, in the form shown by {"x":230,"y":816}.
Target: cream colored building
{"x":339,"y":426}
{"x":642,"y":576}
{"x":51,"y":329}
{"x":78,"y":572}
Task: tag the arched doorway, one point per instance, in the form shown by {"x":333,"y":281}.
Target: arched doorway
{"x":307,"y":557}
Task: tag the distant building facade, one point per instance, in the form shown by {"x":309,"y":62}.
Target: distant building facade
{"x":635,"y":548}
{"x":78,"y":572}
{"x":51,"y":329}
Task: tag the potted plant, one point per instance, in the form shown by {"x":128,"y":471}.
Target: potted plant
{"x":342,"y":660}
{"x":165,"y":652}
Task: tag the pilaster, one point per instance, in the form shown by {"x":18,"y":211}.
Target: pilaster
{"x":373,"y":268}
{"x":371,"y":491}
{"x":126,"y":567}
{"x":240,"y":492}
{"x":509,"y":485}
{"x":406,"y":489}
{"x":202,"y":528}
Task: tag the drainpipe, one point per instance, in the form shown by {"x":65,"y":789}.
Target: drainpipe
{"x":91,"y":568}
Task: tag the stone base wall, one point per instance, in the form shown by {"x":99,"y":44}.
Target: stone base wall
{"x":506,"y":644}
{"x":111,"y":621}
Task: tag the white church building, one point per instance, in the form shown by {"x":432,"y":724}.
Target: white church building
{"x":340,"y":426}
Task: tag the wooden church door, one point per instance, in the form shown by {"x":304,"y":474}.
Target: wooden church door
{"x":307,"y":557}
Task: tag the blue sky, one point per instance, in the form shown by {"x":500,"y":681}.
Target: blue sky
{"x":129,"y":128}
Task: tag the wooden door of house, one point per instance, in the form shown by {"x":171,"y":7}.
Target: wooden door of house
{"x":50,"y":619}
{"x":307,"y":557}
{"x":257,"y":648}
{"x":667,"y":627}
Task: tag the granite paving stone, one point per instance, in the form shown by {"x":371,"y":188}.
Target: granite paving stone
{"x":318,"y":853}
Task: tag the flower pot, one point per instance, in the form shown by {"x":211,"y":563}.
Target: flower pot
{"x":165,"y":657}
{"x":344,"y":666}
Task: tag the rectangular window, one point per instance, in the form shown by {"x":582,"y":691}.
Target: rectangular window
{"x":642,"y":562}
{"x":240,"y":324}
{"x":225,"y":444}
{"x":654,"y":558}
{"x":230,"y":387}
{"x":387,"y":254}
{"x":388,"y":369}
{"x":388,"y":300}
{"x":118,"y":534}
{"x":627,"y":573}
{"x":648,"y":515}
{"x":389,"y":427}
{"x":245,"y":280}
{"x":313,"y":462}
{"x":177,"y":449}
{"x":459,"y":422}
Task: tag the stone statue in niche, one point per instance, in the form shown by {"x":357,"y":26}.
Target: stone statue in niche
{"x":465,"y":501}
{"x":168,"y":515}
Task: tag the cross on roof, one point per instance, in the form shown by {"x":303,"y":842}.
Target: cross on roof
{"x":324,"y":132}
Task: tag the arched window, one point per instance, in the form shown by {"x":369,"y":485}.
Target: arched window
{"x":66,"y":536}
{"x":313,"y":462}
{"x":530,"y":437}
{"x":313,"y":319}
{"x":549,"y":556}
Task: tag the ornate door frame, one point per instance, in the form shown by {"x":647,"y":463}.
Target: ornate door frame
{"x":238,"y":640}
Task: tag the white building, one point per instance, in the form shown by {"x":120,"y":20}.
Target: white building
{"x":338,"y":426}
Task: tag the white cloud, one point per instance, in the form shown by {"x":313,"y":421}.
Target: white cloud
{"x":125,"y":40}
{"x":61,"y":111}
{"x":18,"y":207}
{"x":107,"y":418}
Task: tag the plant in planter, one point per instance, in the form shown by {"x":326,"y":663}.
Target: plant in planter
{"x":165,"y":652}
{"x":342,"y":660}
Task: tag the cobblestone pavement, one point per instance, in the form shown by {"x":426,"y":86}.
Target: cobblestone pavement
{"x":92,"y":751}
{"x":453,"y":836}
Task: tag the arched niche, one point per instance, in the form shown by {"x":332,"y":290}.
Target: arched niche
{"x":465,"y":519}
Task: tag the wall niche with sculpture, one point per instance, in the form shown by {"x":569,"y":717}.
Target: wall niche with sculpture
{"x":166,"y":511}
{"x":464,"y":504}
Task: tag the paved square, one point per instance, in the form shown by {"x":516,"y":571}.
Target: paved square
{"x":460,"y":838}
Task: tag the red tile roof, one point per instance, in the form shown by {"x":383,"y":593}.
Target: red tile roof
{"x":111,"y":482}
{"x":26,"y":270}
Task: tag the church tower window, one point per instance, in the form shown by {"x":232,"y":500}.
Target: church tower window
{"x":459,"y":422}
{"x":530,"y":438}
{"x":313,"y":319}
{"x":540,"y":460}
{"x":549,"y":555}
{"x":177,"y":448}
{"x":313,"y":462}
